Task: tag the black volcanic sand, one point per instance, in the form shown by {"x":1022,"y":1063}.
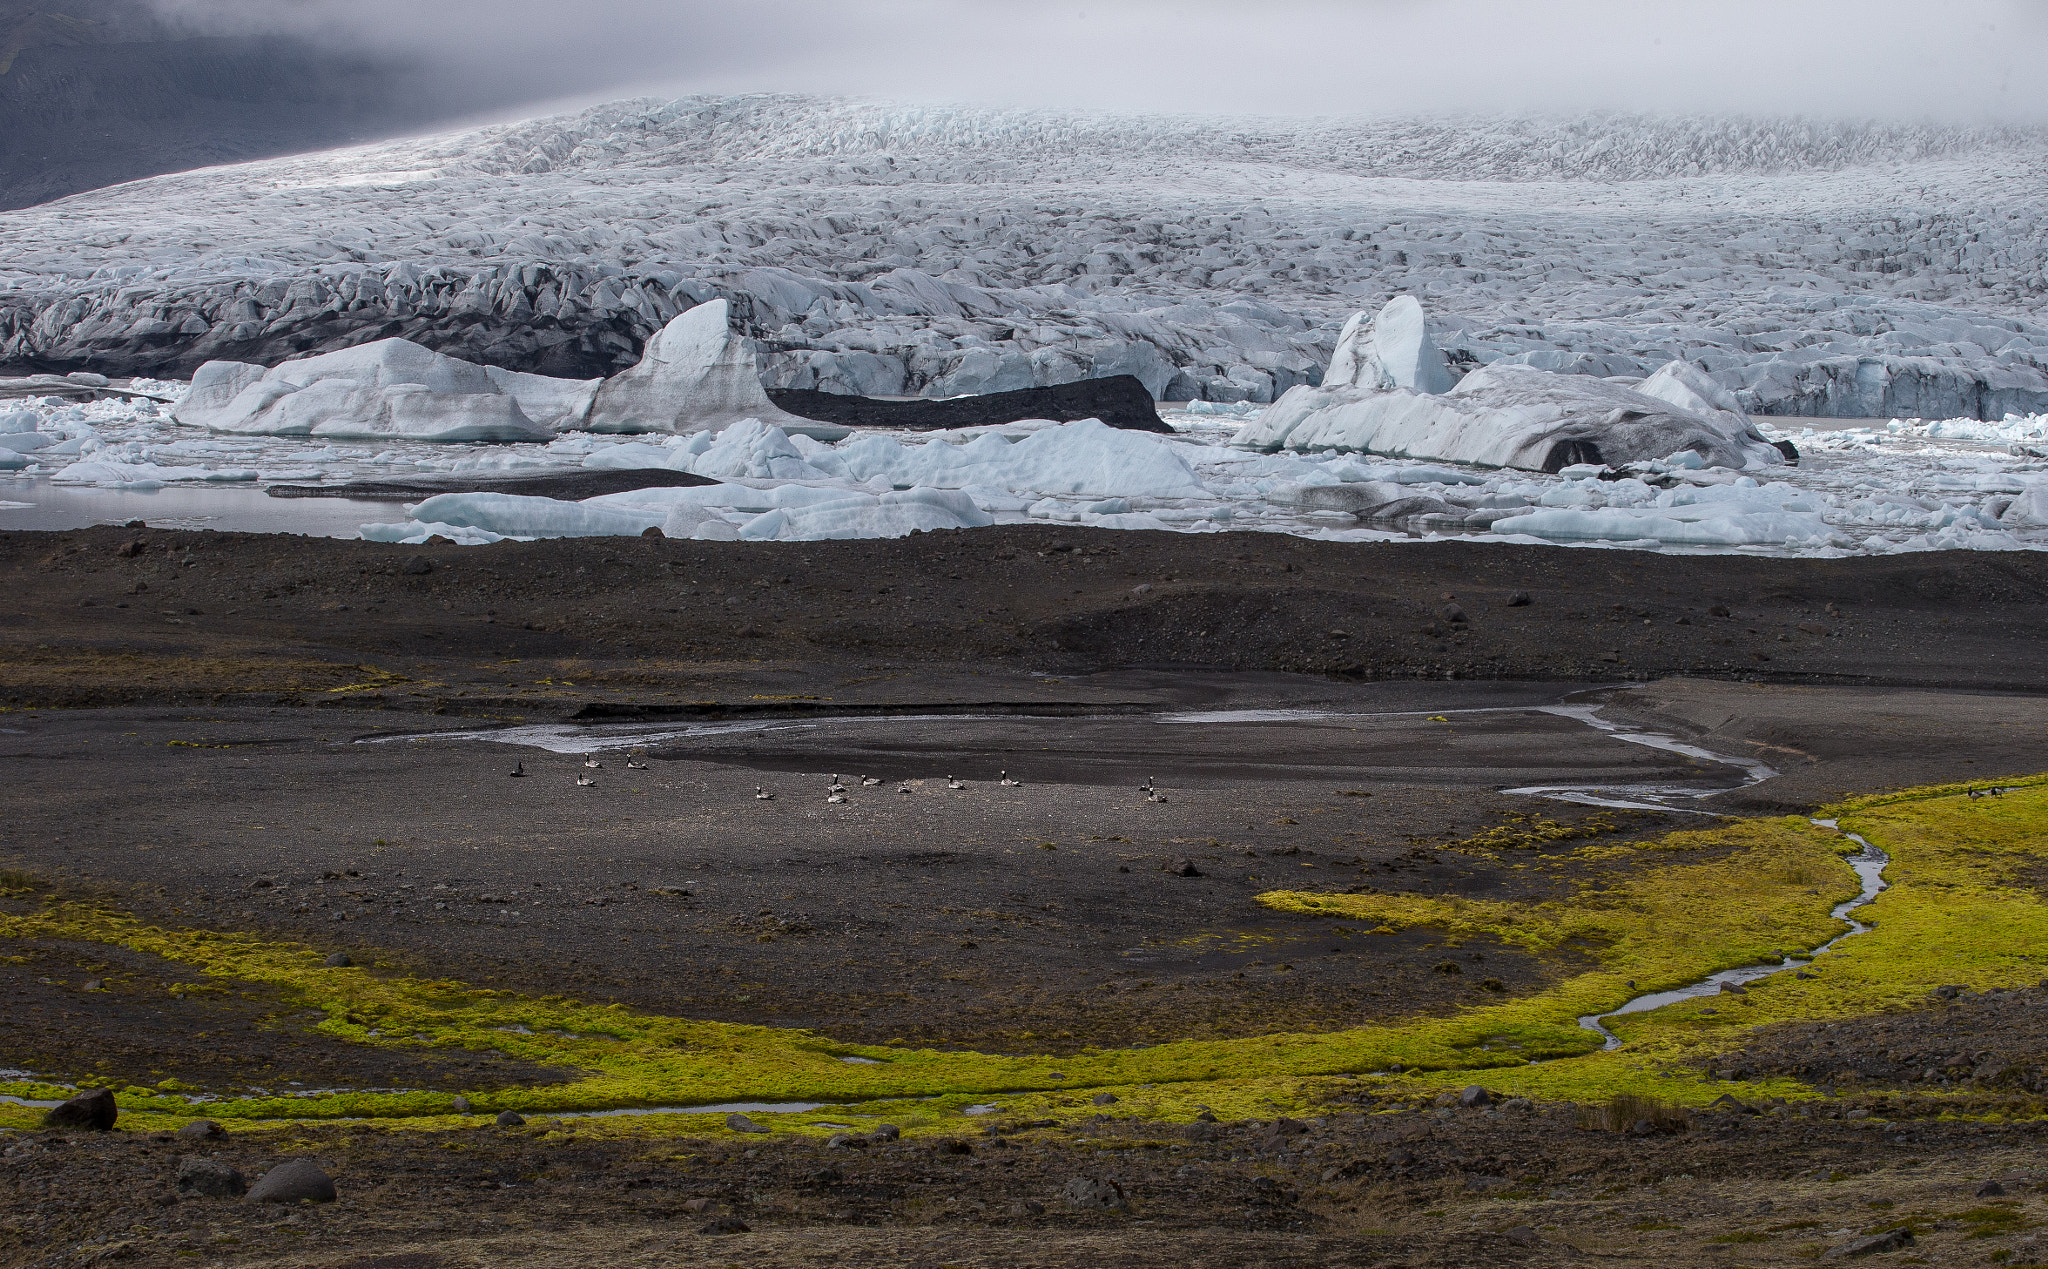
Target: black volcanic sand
{"x":268,"y":738}
{"x":1492,"y":1187}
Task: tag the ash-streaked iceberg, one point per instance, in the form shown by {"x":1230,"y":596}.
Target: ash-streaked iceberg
{"x":1382,"y":396}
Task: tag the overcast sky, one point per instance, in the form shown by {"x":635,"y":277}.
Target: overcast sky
{"x":1962,"y":60}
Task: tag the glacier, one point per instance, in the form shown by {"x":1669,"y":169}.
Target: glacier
{"x":1810,"y":268}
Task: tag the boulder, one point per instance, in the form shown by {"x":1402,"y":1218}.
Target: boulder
{"x":202,"y":1130}
{"x":1093,"y":1194}
{"x":695,"y":375}
{"x":294,"y":1181}
{"x":94,"y":1110}
{"x":209,"y":1178}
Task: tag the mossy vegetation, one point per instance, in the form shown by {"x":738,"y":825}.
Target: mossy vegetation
{"x":1648,"y":916}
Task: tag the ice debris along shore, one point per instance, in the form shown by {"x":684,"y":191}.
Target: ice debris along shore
{"x":695,"y":375}
{"x":1811,"y":268}
{"x":1389,"y":391}
{"x":1906,"y":485}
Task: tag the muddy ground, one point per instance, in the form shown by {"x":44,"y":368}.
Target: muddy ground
{"x":302,"y":738}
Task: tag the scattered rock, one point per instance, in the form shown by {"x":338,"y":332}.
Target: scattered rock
{"x":700,"y":1206}
{"x":1183,"y":868}
{"x":725,"y":1225}
{"x":294,"y":1181}
{"x":1142,"y":588}
{"x":1522,"y":1104}
{"x":885,"y":1132}
{"x":510,"y":1119}
{"x":460,"y":1105}
{"x":740,"y":1123}
{"x":827,"y":1176}
{"x":340,"y":960}
{"x":1522,"y":1236}
{"x":209,"y":1178}
{"x":1949,"y":992}
{"x":1520,"y":599}
{"x":1105,"y":1099}
{"x":1990,"y":1189}
{"x":1472,"y":1097}
{"x":1204,"y":1132}
{"x":1400,"y":1157}
{"x":953,"y":1145}
{"x":94,"y":984}
{"x":1453,"y":614}
{"x":1027,"y":1207}
{"x":202,"y":1130}
{"x":1091,"y":1194}
{"x":652,"y":531}
{"x":1734,"y":989}
{"x":1726,"y":1102}
{"x":417,"y":566}
{"x":94,"y":1110}
{"x":1890,"y":1240}
{"x":845,"y":1141}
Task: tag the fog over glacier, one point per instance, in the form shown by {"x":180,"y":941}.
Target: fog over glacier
{"x":1957,"y":60}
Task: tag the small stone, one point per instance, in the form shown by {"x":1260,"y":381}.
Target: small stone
{"x":885,"y":1132}
{"x":652,"y":531}
{"x":1183,"y":868}
{"x":417,"y":566}
{"x":1520,"y":599}
{"x":1027,"y":1207}
{"x":1522,"y":1236}
{"x":700,"y":1206}
{"x":510,"y":1119}
{"x":1142,"y":588}
{"x":202,"y":1130}
{"x":1949,"y":992}
{"x":953,"y":1146}
{"x":725,"y":1225}
{"x":1204,"y":1132}
{"x":1734,"y":989}
{"x":1105,"y":1099}
{"x":1453,"y":614}
{"x":1890,"y":1240}
{"x":94,"y":984}
{"x":294,"y":1181}
{"x":1471,"y":1097}
{"x":1990,"y":1189}
{"x":94,"y":1110}
{"x":460,"y":1105}
{"x":1726,"y":1102}
{"x":1400,"y":1157}
{"x":1091,"y":1194}
{"x":740,"y":1123}
{"x":827,"y":1176}
{"x":845,"y":1141}
{"x":209,"y":1178}
{"x":1718,"y":610}
{"x":340,"y":960}
{"x":1518,"y":1104}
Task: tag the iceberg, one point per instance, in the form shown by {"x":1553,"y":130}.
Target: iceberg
{"x":695,"y":375}
{"x":1501,"y":415}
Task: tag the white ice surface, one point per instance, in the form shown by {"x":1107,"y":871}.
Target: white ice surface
{"x":1901,"y":485}
{"x":1813,"y":267}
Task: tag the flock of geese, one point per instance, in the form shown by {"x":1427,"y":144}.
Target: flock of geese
{"x":835,"y":793}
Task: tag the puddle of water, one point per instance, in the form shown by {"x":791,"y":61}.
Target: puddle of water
{"x":1869,"y":868}
{"x":861,"y":1061}
{"x":27,"y":1101}
{"x":241,"y":508}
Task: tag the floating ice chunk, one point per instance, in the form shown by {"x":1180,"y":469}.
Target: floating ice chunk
{"x":695,"y":375}
{"x":416,"y":532}
{"x":144,"y":475}
{"x":521,"y":516}
{"x":1742,"y":528}
{"x":1393,"y":350}
{"x":1368,"y":500}
{"x":891,"y":515}
{"x":750,"y":449}
{"x":1085,"y":457}
{"x":2030,"y":508}
{"x":27,"y":442}
{"x":10,"y":460}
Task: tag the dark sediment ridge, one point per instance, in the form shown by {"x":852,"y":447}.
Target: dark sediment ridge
{"x":569,"y":486}
{"x":1120,"y":401}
